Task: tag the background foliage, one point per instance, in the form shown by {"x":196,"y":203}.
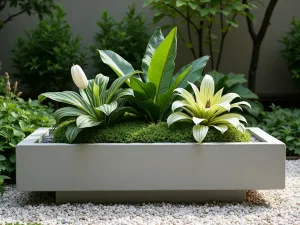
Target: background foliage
{"x":291,"y":53}
{"x":283,"y":124}
{"x":18,"y":118}
{"x":199,"y":17}
{"x":43,"y":57}
{"x":128,"y":38}
{"x":29,"y":7}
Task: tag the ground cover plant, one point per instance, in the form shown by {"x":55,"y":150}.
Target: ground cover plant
{"x":18,"y":119}
{"x":283,"y":124}
{"x":152,"y":95}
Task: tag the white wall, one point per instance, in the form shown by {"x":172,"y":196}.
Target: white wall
{"x":273,"y":76}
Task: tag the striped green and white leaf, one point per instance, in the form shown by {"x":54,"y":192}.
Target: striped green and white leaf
{"x":200,"y":132}
{"x":107,"y":109}
{"x":85,"y":121}
{"x":222,"y":128}
{"x":72,"y":132}
{"x":109,"y":94}
{"x":69,"y":97}
{"x":178,"y":116}
{"x":67,"y":112}
{"x":197,"y":120}
{"x":102,"y":82}
{"x":120,"y":93}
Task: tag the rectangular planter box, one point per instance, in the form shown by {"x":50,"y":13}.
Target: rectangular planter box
{"x":137,"y":172}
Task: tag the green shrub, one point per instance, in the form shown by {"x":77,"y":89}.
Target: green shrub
{"x":234,"y":83}
{"x":43,"y":57}
{"x":283,"y":124}
{"x":291,"y":53}
{"x":18,"y":118}
{"x":141,"y":132}
{"x":128,"y":38}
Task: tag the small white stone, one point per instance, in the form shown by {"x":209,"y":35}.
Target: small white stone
{"x":272,"y":207}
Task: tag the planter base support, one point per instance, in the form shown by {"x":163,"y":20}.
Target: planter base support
{"x":149,"y":196}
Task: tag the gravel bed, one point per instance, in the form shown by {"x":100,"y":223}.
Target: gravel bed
{"x":268,"y":207}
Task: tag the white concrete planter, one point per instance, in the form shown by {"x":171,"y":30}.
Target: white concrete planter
{"x":171,"y":172}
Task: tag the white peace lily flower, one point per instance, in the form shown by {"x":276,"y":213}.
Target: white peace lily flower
{"x":79,"y":77}
{"x":207,"y":109}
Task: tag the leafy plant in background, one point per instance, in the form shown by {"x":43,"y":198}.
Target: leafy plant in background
{"x":18,"y":118}
{"x":29,"y":7}
{"x":200,"y":17}
{"x":207,"y":109}
{"x":96,"y":105}
{"x":42,"y":59}
{"x":291,"y":53}
{"x":128,"y":37}
{"x":283,"y":124}
{"x":235,"y":83}
{"x":153,"y":90}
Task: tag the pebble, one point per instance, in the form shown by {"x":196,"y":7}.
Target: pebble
{"x":265,"y":207}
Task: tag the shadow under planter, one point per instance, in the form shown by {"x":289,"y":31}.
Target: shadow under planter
{"x":158,"y":172}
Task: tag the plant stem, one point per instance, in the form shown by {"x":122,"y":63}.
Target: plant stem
{"x":200,"y":39}
{"x":2,"y":4}
{"x":189,"y":34}
{"x":184,"y":16}
{"x":212,"y":63}
{"x":10,"y":18}
{"x":224,"y":34}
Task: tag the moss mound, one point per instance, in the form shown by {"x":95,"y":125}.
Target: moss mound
{"x":141,"y":132}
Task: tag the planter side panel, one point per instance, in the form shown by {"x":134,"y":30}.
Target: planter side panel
{"x":129,"y":167}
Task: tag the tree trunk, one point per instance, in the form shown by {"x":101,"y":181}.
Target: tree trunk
{"x":253,"y":66}
{"x":257,"y":39}
{"x":200,"y":39}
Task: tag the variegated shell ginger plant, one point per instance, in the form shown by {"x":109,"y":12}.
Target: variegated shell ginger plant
{"x":95,"y":105}
{"x":207,"y":109}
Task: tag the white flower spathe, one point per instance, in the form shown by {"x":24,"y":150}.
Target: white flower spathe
{"x":79,"y":77}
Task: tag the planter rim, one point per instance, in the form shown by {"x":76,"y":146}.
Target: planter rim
{"x":35,"y":138}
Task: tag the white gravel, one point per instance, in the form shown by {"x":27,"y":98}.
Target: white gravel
{"x":271,"y":207}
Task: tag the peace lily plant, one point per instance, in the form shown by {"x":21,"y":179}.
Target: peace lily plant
{"x":207,"y":109}
{"x":95,"y":105}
